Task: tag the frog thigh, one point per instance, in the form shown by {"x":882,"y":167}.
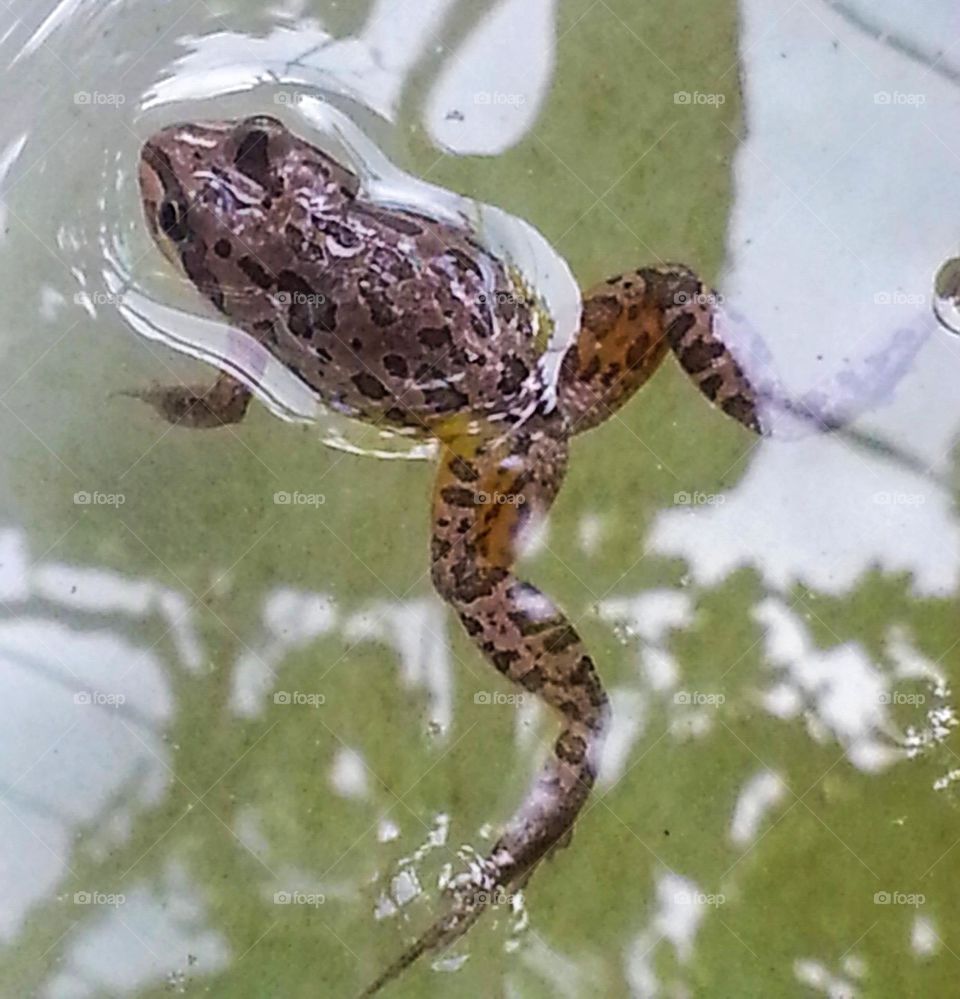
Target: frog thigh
{"x":628,"y":324}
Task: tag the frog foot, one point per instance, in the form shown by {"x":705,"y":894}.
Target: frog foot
{"x":467,"y":897}
{"x":198,"y":407}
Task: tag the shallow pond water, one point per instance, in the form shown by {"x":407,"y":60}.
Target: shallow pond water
{"x":244,"y":738}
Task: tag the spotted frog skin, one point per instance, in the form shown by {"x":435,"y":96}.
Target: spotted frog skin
{"x":408,"y":322}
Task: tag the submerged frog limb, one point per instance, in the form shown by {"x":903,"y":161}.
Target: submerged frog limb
{"x":488,"y":495}
{"x":221,"y":404}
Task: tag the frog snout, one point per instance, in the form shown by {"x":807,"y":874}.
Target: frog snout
{"x":151,"y":187}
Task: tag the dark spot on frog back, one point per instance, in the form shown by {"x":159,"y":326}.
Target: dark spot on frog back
{"x":380,"y":308}
{"x":396,"y":365}
{"x":256,"y":272}
{"x":370,"y":386}
{"x":446,"y":399}
{"x":435,"y":337}
{"x":309,"y":308}
{"x":513,"y":375}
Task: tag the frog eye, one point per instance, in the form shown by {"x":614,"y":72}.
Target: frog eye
{"x":172,"y":220}
{"x":262,"y":121}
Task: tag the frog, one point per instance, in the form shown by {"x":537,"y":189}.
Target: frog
{"x":411,"y":323}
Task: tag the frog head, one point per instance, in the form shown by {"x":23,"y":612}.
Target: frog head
{"x":210,"y":192}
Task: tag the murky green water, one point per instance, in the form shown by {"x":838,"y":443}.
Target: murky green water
{"x":230,"y":724}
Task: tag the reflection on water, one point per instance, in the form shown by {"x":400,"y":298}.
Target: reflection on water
{"x":238,"y":732}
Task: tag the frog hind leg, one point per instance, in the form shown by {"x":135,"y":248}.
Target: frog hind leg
{"x":223,"y":403}
{"x":628,"y":324}
{"x":487,"y":496}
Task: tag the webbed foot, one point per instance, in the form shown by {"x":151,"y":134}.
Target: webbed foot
{"x":221,"y":404}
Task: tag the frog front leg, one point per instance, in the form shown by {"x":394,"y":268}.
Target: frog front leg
{"x":487,"y":496}
{"x":628,"y":324}
{"x":225,"y":402}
